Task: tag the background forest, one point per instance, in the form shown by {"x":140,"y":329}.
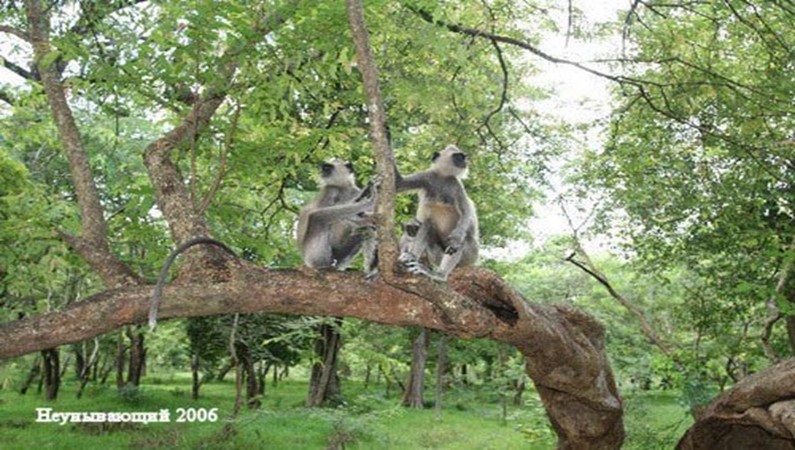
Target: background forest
{"x":675,"y":224}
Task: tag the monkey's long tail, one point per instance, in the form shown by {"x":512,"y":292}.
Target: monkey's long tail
{"x":161,"y":281}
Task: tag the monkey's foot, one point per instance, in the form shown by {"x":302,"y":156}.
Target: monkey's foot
{"x":407,"y":258}
{"x":417,"y":268}
{"x":371,"y":276}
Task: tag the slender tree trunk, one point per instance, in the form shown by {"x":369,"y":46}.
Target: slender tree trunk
{"x":367,"y":371}
{"x":519,"y":387}
{"x":80,"y":358}
{"x":35,"y":371}
{"x":224,"y":370}
{"x":64,"y":365}
{"x":85,"y":374}
{"x":52,"y":373}
{"x":441,"y":373}
{"x":194,"y":370}
{"x":137,"y":356}
{"x":247,"y":365}
{"x":324,"y":383}
{"x":120,"y":351}
{"x":415,"y":386}
{"x":263,"y":374}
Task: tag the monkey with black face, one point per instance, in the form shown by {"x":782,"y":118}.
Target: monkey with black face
{"x":448,"y":233}
{"x":336,"y":225}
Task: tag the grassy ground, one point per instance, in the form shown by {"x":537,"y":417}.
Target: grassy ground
{"x":471,"y":419}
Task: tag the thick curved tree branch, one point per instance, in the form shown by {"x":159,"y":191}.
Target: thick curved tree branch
{"x":185,"y":220}
{"x":758,"y":412}
{"x":564,"y":348}
{"x":92,"y":245}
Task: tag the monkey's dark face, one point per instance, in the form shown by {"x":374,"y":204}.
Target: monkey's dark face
{"x":337,"y":173}
{"x":451,"y":162}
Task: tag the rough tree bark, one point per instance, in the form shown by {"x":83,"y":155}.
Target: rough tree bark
{"x":52,"y":372}
{"x":415,"y":386}
{"x":137,"y":356}
{"x":324,"y":382}
{"x":758,"y":412}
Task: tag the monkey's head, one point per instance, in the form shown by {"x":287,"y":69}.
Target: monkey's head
{"x":451,"y":162}
{"x":337,"y":173}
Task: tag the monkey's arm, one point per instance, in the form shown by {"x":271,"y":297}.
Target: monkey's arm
{"x":409,"y":183}
{"x":338,"y":212}
{"x":467,"y":219}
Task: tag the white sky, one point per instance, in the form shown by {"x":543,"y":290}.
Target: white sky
{"x":580,"y":98}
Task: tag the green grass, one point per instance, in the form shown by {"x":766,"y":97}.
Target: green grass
{"x":471,"y":419}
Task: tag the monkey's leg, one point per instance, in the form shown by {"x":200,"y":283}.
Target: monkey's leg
{"x":344,"y":254}
{"x":317,"y":252}
{"x":418,"y":244}
{"x":370,"y":250}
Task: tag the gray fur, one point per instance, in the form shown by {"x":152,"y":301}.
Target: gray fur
{"x":448,"y":235}
{"x":337,"y":224}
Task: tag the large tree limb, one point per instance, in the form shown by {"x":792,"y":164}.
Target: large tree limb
{"x":564,"y":348}
{"x":92,"y":245}
{"x":758,"y":412}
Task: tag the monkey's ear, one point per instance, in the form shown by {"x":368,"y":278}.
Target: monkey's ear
{"x":350,"y":167}
{"x":434,"y":156}
{"x":326,"y":169}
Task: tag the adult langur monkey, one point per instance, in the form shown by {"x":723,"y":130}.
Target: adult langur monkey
{"x":448,"y":232}
{"x":337,"y":224}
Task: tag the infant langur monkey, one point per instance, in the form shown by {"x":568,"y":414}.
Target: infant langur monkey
{"x":337,"y":223}
{"x":448,"y":232}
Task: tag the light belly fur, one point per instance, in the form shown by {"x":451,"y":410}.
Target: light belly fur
{"x":442,"y":216}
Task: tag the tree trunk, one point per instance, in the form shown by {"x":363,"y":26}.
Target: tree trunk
{"x":194,"y":370}
{"x":52,"y":373}
{"x":324,"y":383}
{"x":120,"y":351}
{"x":35,"y":370}
{"x":85,"y":374}
{"x":367,"y":371}
{"x":263,"y":373}
{"x":137,"y":356}
{"x":415,"y":386}
{"x":441,"y":373}
{"x":519,"y":387}
{"x":80,"y":358}
{"x":247,"y":366}
{"x":756,"y":413}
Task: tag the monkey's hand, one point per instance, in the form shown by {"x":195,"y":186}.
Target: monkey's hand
{"x":365,"y":220}
{"x":370,"y":192}
{"x":407,"y":257}
{"x":454,"y":243}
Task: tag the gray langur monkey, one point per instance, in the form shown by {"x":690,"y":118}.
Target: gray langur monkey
{"x":448,"y":233}
{"x":337,"y":224}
